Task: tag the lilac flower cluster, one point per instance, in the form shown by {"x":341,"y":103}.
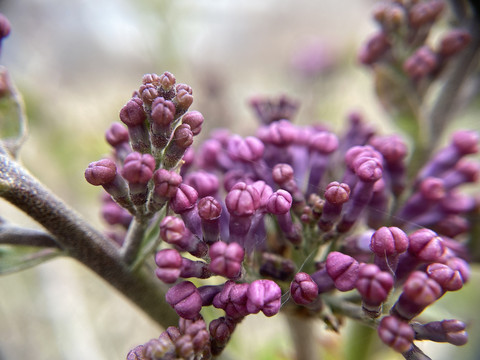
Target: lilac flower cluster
{"x":409,"y":23}
{"x":143,"y":173}
{"x":293,"y":216}
{"x":280,"y":221}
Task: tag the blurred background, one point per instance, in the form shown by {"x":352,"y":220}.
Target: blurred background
{"x":77,"y":62}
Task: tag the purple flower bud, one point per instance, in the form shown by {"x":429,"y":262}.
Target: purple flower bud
{"x":451,"y":331}
{"x":422,"y":63}
{"x":374,"y":48}
{"x":282,"y":173}
{"x":453,"y":42}
{"x":116,"y":134}
{"x":5,"y":27}
{"x":195,"y":120}
{"x":463,"y":142}
{"x":184,"y":203}
{"x":153,"y":79}
{"x":205,"y":183}
{"x":220,"y":331}
{"x":242,"y":200}
{"x":172,"y":229}
{"x":461,"y":266}
{"x":264,"y":190}
{"x":419,"y":291}
{"x":174,"y":232}
{"x":182,"y":139}
{"x":132,"y":114}
{"x":387,"y":244}
{"x":449,"y":279}
{"x":148,"y":93}
{"x":464,"y":172}
{"x":226,"y":259}
{"x":233,"y":299}
{"x":323,"y":142}
{"x":137,"y":353}
{"x":185,"y":199}
{"x":277,"y":267}
{"x":264,"y":295}
{"x":279,"y":133}
{"x":210,"y":151}
{"x":368,"y":169}
{"x":336,"y":195}
{"x":392,"y":148}
{"x":138,"y":168}
{"x":183,"y":99}
{"x":249,"y":149}
{"x":424,"y":13}
{"x":169,"y":263}
{"x":104,"y":172}
{"x":209,"y":210}
{"x":163,"y":112}
{"x":166,"y":183}
{"x":374,"y":285}
{"x":114,"y":214}
{"x":101,"y":172}
{"x":279,"y":202}
{"x":117,"y":137}
{"x":396,"y":333}
{"x":426,"y":245}
{"x":167,"y":82}
{"x":185,"y":299}
{"x":303,"y":289}
{"x":343,"y":270}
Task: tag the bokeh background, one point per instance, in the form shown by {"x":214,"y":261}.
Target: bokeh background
{"x":77,"y":62}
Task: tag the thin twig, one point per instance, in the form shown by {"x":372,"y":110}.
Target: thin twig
{"x":15,"y":235}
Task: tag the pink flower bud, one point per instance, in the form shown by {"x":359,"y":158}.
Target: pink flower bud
{"x":343,"y":270}
{"x":303,"y":289}
{"x":396,"y":333}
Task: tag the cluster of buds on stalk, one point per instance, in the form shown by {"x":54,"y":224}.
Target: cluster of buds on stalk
{"x":148,"y":150}
{"x":291,"y":217}
{"x":277,"y":213}
{"x":408,"y":63}
{"x":402,"y":39}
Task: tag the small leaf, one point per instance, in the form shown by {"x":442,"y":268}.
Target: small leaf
{"x":14,"y":258}
{"x":12,"y":115}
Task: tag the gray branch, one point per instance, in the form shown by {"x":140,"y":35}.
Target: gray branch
{"x":82,"y":242}
{"x":15,"y":235}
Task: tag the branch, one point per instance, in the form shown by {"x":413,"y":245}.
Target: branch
{"x":15,"y":235}
{"x":81,"y":241}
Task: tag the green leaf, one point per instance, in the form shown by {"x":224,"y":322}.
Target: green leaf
{"x":13,"y":122}
{"x":15,"y":258}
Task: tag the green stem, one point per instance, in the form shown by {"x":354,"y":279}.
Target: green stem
{"x":82,"y":242}
{"x":133,"y":240}
{"x":303,"y":336}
